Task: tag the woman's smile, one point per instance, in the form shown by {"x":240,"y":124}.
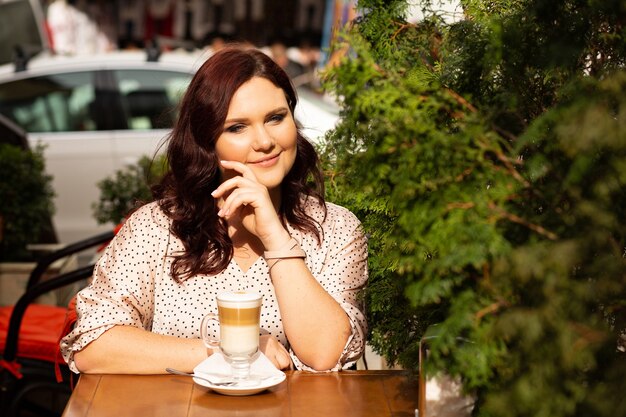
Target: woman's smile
{"x":270,"y":161}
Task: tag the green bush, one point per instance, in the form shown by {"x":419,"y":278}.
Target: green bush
{"x":487,"y":159}
{"x":127,"y":188}
{"x":25,"y":201}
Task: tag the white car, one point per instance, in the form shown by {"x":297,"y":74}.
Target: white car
{"x":96,"y":114}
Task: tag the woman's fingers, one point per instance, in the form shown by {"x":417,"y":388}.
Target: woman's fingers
{"x":239,"y":167}
{"x":275,"y":352}
{"x":240,"y":190}
{"x":229,"y":185}
{"x":246,"y":178}
{"x":242,"y":198}
{"x":284,"y":361}
{"x":237,"y":199}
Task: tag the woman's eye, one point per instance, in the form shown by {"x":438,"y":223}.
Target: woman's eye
{"x":277,"y":118}
{"x":235,"y":128}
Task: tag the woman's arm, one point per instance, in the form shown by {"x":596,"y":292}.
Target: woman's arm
{"x":131,"y":350}
{"x":315,"y":324}
{"x":341,"y":276}
{"x":116,"y":311}
{"x":128,"y":349}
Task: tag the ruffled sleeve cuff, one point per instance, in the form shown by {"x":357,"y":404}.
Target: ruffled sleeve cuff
{"x":75,"y":342}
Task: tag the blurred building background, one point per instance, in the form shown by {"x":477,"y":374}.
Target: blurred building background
{"x":90,"y":26}
{"x":296,"y":33}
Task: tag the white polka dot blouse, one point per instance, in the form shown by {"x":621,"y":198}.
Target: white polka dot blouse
{"x":132,"y":285}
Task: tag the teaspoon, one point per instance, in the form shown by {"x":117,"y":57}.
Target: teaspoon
{"x":210,"y":381}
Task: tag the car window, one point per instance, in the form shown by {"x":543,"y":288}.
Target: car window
{"x":150,"y":97}
{"x":53,"y":103}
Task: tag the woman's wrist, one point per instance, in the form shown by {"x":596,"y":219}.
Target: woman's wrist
{"x":277,"y":242}
{"x":290,"y":250}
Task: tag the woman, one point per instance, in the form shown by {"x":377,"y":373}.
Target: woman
{"x":239,"y":185}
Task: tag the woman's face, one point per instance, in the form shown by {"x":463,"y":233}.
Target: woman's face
{"x":260,"y":132}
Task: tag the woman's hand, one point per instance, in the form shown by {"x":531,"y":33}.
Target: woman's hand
{"x":275,"y":351}
{"x":244,"y":197}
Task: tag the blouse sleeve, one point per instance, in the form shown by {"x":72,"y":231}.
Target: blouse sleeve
{"x":121,"y":292}
{"x":342,"y":271}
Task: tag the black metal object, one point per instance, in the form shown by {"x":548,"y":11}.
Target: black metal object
{"x":47,"y":260}
{"x":38,"y":375}
{"x":20,"y":58}
{"x":10,"y":349}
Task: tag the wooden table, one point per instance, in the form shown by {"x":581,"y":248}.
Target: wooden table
{"x":347,"y":393}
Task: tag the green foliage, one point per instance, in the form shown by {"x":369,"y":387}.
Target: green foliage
{"x":487,"y":160}
{"x":25,"y":201}
{"x":127,"y":188}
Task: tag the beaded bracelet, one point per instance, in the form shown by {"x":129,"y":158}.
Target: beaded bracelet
{"x":294,"y":251}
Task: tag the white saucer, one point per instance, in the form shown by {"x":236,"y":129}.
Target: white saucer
{"x":216,"y":367}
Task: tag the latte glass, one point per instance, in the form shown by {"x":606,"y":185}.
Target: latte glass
{"x":239,"y":313}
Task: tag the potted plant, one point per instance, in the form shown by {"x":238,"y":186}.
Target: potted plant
{"x":25,"y":208}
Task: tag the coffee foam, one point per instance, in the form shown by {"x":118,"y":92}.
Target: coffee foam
{"x":239,"y":299}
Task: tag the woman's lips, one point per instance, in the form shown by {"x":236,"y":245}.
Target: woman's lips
{"x":266,"y":162}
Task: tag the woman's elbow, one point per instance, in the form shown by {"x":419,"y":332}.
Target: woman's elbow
{"x":92,"y":359}
{"x":321,"y":364}
{"x":83,"y":362}
{"x":330,"y":358}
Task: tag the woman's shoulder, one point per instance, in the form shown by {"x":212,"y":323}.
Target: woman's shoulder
{"x":340,"y":216}
{"x":149,"y":216}
{"x":331,"y":213}
{"x":340,"y":212}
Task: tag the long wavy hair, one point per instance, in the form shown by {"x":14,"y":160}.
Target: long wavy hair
{"x":184,"y":193}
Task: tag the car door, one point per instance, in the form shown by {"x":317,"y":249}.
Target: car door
{"x":70,"y":114}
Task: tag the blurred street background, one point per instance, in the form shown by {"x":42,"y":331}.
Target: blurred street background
{"x":296,"y":33}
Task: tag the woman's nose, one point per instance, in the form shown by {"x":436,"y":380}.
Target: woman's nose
{"x":263,"y":139}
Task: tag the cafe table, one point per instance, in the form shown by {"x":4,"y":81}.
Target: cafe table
{"x":376,"y":393}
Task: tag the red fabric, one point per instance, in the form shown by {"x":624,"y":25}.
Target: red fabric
{"x":159,"y":26}
{"x":12,"y":367}
{"x":48,"y":31}
{"x":39,"y":333}
{"x":70,"y":319}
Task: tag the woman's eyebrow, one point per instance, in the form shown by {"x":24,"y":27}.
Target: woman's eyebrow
{"x":243,"y":119}
{"x":235,"y":120}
